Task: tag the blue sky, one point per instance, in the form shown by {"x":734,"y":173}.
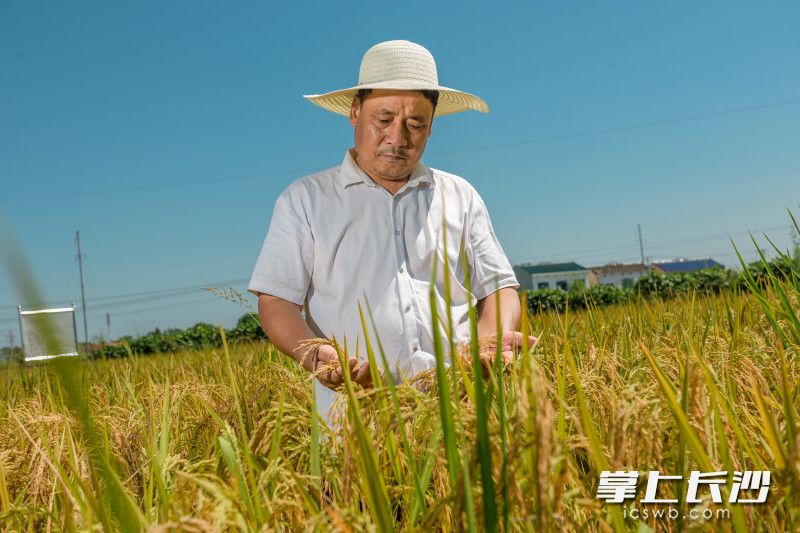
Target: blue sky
{"x":165,"y":131}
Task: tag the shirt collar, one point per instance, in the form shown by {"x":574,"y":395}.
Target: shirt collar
{"x":350,"y":173}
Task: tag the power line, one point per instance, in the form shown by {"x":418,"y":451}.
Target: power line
{"x":640,"y":125}
{"x":139,"y":297}
{"x":146,"y":309}
{"x":176,"y":289}
{"x":117,"y":300}
{"x":691,"y":240}
{"x":711,"y":255}
{"x":179,"y":304}
{"x":207,"y":299}
{"x":662,"y":244}
{"x":585,"y":133}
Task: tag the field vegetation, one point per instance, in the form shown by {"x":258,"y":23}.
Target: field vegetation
{"x":228,"y":438}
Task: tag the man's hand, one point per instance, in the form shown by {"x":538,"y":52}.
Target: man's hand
{"x":329,"y":371}
{"x":510,"y":345}
{"x":287,"y":329}
{"x":506,"y":303}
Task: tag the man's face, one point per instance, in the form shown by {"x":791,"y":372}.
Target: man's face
{"x":391,"y":130}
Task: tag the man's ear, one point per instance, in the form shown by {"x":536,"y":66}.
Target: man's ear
{"x":355,"y":109}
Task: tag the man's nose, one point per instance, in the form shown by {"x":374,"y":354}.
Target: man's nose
{"x":397,"y":134}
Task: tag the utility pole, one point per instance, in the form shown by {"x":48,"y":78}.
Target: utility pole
{"x":7,"y":354}
{"x":641,"y":245}
{"x":83,"y":295}
{"x":108,"y":326}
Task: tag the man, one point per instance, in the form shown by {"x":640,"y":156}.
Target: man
{"x":370,"y":229}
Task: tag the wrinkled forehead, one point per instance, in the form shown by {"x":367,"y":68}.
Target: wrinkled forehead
{"x":409,"y":103}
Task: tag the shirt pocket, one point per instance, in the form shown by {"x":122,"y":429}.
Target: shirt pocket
{"x":428,"y":244}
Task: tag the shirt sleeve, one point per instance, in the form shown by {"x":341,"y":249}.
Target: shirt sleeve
{"x":284,"y":266}
{"x":489,"y":266}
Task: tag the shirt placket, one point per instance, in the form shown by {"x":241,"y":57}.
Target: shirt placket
{"x":405,"y":291}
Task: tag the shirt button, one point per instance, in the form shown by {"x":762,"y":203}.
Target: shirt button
{"x":402,"y":270}
{"x":397,"y":232}
{"x":408,"y":308}
{"x":416,"y":348}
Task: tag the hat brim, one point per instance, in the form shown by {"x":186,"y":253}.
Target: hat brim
{"x":450,"y":100}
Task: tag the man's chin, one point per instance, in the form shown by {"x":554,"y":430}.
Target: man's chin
{"x":394,"y":174}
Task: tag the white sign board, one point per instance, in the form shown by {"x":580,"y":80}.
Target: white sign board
{"x":60,"y":321}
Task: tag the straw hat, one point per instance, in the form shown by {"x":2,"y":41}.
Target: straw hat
{"x":399,"y":65}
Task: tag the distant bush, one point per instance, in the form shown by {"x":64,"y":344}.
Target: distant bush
{"x":247,"y":329}
{"x":547,"y":300}
{"x":782,"y":268}
{"x":709,"y":280}
{"x":655,"y":284}
{"x":11,"y":354}
{"x":199,"y":336}
{"x":607,"y":294}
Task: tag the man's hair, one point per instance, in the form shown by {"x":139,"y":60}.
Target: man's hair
{"x":433,"y":96}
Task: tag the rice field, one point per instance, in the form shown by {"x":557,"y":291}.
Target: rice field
{"x":225,"y":439}
{"x":229,"y":439}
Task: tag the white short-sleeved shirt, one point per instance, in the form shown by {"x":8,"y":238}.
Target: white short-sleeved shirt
{"x":336,"y":237}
